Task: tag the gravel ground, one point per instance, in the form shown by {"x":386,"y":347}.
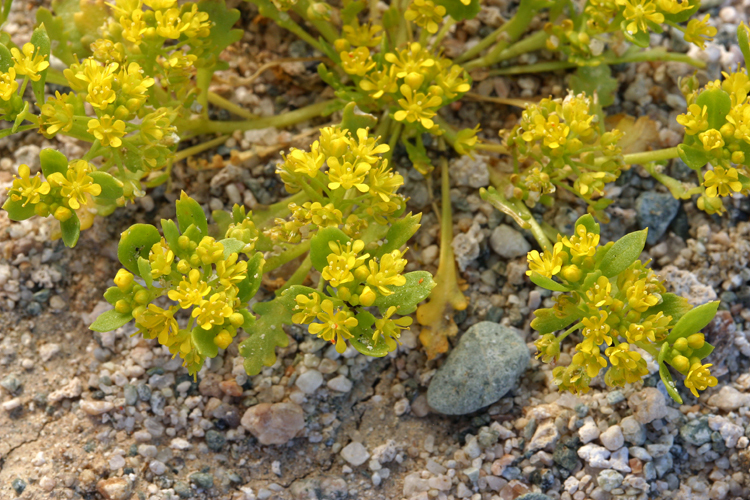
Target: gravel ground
{"x":87,"y":415}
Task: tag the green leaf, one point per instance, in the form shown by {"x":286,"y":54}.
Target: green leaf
{"x":743,"y":40}
{"x":319,"y":248}
{"x":249,"y":318}
{"x":52,"y":162}
{"x":223,"y":219}
{"x":590,"y":279}
{"x":16,"y":210}
{"x":136,"y":242}
{"x":111,"y":187}
{"x":231,"y":245}
{"x":641,"y":38}
{"x":110,"y":320}
{"x":719,"y":105}
{"x":71,"y":230}
{"x":6,"y":59}
{"x":172,"y":235}
{"x":589,"y":223}
{"x":42,"y":44}
{"x":362,"y":340}
{"x":267,"y":332}
{"x":418,"y":286}
{"x":548,"y":283}
{"x":21,"y":116}
{"x":458,"y":10}
{"x":189,"y":212}
{"x":144,"y":270}
{"x":671,"y":305}
{"x":113,"y":294}
{"x":204,"y":341}
{"x":693,"y":157}
{"x":693,"y":321}
{"x":595,"y":80}
{"x":703,"y":351}
{"x":222,"y":35}
{"x":354,"y":119}
{"x":682,"y":16}
{"x":546,"y":321}
{"x":249,"y":286}
{"x":624,"y":252}
{"x":666,"y":377}
{"x":399,"y":233}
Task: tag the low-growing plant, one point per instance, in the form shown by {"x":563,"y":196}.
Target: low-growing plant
{"x":620,"y":305}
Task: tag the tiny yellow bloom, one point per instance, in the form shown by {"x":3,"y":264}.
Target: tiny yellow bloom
{"x":158,"y":323}
{"x":583,"y":244}
{"x":8,"y":84}
{"x":699,"y":32}
{"x":390,"y":329}
{"x":711,"y":139}
{"x":639,"y":297}
{"x":346,"y":175}
{"x":57,"y":114}
{"x":722,"y":182}
{"x":426,"y":14}
{"x":627,"y":366}
{"x":335,"y":326}
{"x":108,"y":130}
{"x":308,"y":307}
{"x":213,"y":311}
{"x":699,"y":378}
{"x":695,"y":120}
{"x":231,"y":270}
{"x":342,"y":260}
{"x":28,"y":64}
{"x":357,"y":62}
{"x":599,"y":294}
{"x":596,"y":331}
{"x":416,"y":106}
{"x":190,"y":292}
{"x":210,"y":251}
{"x":591,"y":361}
{"x":161,"y":258}
{"x":387,"y":273}
{"x":548,"y":347}
{"x":169,"y":24}
{"x":77,"y":184}
{"x":547,"y":264}
{"x":640,"y":13}
{"x":29,"y":189}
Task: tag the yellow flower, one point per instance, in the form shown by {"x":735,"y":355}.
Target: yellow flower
{"x":324,"y":216}
{"x":711,"y":139}
{"x":159,"y":323}
{"x":57,"y":114}
{"x":334,"y":326}
{"x":547,"y":264}
{"x":8,"y":84}
{"x":695,"y":120}
{"x":347,"y":175}
{"x":673,"y":6}
{"x":426,"y":14}
{"x":413,"y":59}
{"x":76,"y":184}
{"x":548,"y":347}
{"x":598,"y":294}
{"x":365,"y":35}
{"x":190,"y":292}
{"x":572,"y":378}
{"x":592,"y":361}
{"x":415,"y":106}
{"x":357,"y":62}
{"x":29,"y":188}
{"x":721,"y":182}
{"x":100,"y":80}
{"x":213,"y":311}
{"x":576,"y":110}
{"x":160,"y":4}
{"x":342,"y":261}
{"x":583,"y":244}
{"x":699,"y":32}
{"x":390,"y":329}
{"x":161,"y":258}
{"x":366,"y":148}
{"x":596,"y":331}
{"x":108,"y":130}
{"x":466,"y":141}
{"x":231,"y":271}
{"x":169,"y":24}
{"x":699,"y":378}
{"x":737,"y":85}
{"x":196,"y":24}
{"x":210,"y":251}
{"x":134,"y":85}
{"x":639,"y":298}
{"x":301,"y":162}
{"x":377,"y":83}
{"x":627,"y":367}
{"x":308,"y":307}
{"x":388,"y":273}
{"x":107,"y":51}
{"x":640,"y":13}
{"x":133,"y":26}
{"x":384,"y":182}
{"x":739,"y":117}
{"x":28,"y":64}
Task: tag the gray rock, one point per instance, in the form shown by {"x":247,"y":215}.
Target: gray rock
{"x":215,"y":440}
{"x":355,"y":453}
{"x":131,"y":395}
{"x":545,"y":437}
{"x":729,"y":399}
{"x":508,"y":243}
{"x":696,"y":432}
{"x":565,"y":457}
{"x":144,"y":392}
{"x":202,"y":480}
{"x":633,"y":431}
{"x":534,"y":496}
{"x":482,"y":368}
{"x":649,"y":404}
{"x":609,"y":479}
{"x":686,"y":284}
{"x":18,"y":485}
{"x":655,"y":212}
{"x":182,"y":489}
{"x":10,"y":384}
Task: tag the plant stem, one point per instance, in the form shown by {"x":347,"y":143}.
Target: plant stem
{"x":519,"y":103}
{"x":533,"y":68}
{"x":299,"y":275}
{"x":233,"y":108}
{"x":444,"y":30}
{"x":199,"y":148}
{"x":288,"y":255}
{"x":649,"y":156}
{"x":518,"y":212}
{"x":283,"y":120}
{"x":495,"y":148}
{"x":531,"y":43}
{"x":324,"y":27}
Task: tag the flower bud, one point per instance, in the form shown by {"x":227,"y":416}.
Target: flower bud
{"x":738,"y":157}
{"x":414,"y":80}
{"x":367,"y":297}
{"x":142,"y":297}
{"x":681,"y":363}
{"x":341,"y":45}
{"x":236,"y":319}
{"x":183,"y":242}
{"x":344,"y":293}
{"x":183,"y":267}
{"x":223,"y":339}
{"x":681,"y":344}
{"x":696,"y":340}
{"x":571,"y":273}
{"x":62,"y":214}
{"x":122,"y":306}
{"x":124,"y":280}
{"x":361,"y":273}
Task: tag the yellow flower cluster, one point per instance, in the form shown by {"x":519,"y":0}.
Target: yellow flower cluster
{"x":201,"y":282}
{"x":578,"y":154}
{"x":619,"y":315}
{"x":717,"y":132}
{"x":350,"y":183}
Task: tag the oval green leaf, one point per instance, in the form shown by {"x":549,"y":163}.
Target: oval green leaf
{"x":110,"y":320}
{"x":136,"y":242}
{"x":547,"y":283}
{"x":111,"y":187}
{"x":52,"y":162}
{"x":693,"y":321}
{"x":17,"y":211}
{"x":71,"y":230}
{"x":624,"y":252}
{"x":189,"y":212}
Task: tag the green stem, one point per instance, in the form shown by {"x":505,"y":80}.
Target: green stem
{"x":647,"y":156}
{"x":233,"y":108}
{"x":536,"y":230}
{"x":444,"y":30}
{"x":299,"y":275}
{"x":675,"y":187}
{"x":284,"y":120}
{"x":395,"y":134}
{"x":288,"y":255}
{"x":518,"y":212}
{"x":269,"y":10}
{"x":202,"y":81}
{"x":658,"y":54}
{"x":537,"y":41}
{"x":542,"y":67}
{"x":569,"y":331}
{"x":199,"y":148}
{"x":324,"y":27}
